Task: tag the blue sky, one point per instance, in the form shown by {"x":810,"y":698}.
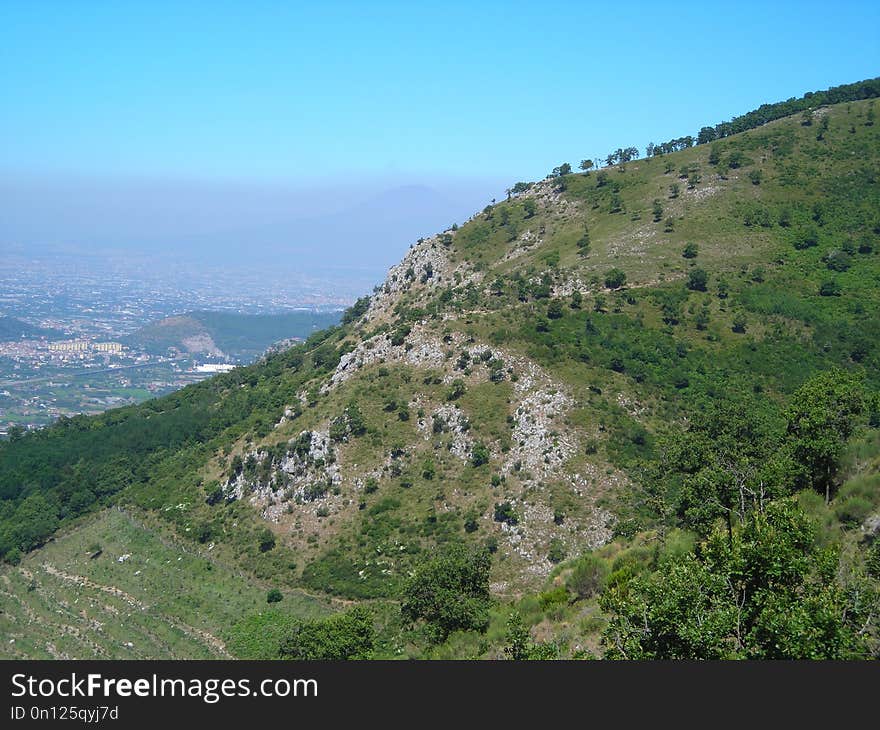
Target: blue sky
{"x":176,"y":123}
{"x":291,"y":91}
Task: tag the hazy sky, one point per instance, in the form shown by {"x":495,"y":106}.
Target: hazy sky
{"x":246,"y":101}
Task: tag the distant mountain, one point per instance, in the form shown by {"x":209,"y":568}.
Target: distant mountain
{"x":356,"y":242}
{"x":240,"y":337}
{"x":15,"y":329}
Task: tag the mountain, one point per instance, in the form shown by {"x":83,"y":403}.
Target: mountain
{"x":240,"y":337}
{"x":629,"y":413}
{"x":15,"y":329}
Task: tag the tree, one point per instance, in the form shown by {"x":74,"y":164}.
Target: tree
{"x":690,"y":251}
{"x":739,"y":323}
{"x":274,"y":596}
{"x":697,"y":280}
{"x":823,"y":414}
{"x":715,"y":154}
{"x":266,"y":540}
{"x":561,"y":170}
{"x":615,"y":278}
{"x":342,"y":636}
{"x":530,"y":207}
{"x":769,"y":593}
{"x":449,"y":592}
{"x":577,"y":300}
{"x":35,"y":519}
{"x":586,"y":165}
{"x":674,"y":190}
{"x":657,"y":210}
{"x":722,"y":465}
{"x":554,"y":309}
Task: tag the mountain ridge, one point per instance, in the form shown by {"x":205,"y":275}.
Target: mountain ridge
{"x":530,"y":384}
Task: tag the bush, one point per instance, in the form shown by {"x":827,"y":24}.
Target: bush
{"x":348,"y":635}
{"x":267,"y":540}
{"x":829,"y":288}
{"x":853,"y":510}
{"x":554,"y":309}
{"x":690,"y":251}
{"x":557,"y":551}
{"x":479,"y":454}
{"x":456,"y":390}
{"x":557,"y":596}
{"x":807,"y":239}
{"x":588,"y":576}
{"x":697,"y":280}
{"x":274,"y":596}
{"x":615,"y":278}
{"x":505,"y":513}
{"x":838,"y":261}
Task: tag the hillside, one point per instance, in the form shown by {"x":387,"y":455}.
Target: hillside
{"x":240,"y":337}
{"x":15,"y":329}
{"x":621,"y":390}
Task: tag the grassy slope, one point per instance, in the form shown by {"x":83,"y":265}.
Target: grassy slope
{"x":169,"y":598}
{"x":630,"y":375}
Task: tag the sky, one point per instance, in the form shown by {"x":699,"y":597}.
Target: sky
{"x":219,"y":115}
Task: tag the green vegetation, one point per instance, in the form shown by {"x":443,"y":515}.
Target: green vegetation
{"x":240,"y":335}
{"x":582,"y":356}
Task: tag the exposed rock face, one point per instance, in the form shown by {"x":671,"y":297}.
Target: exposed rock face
{"x":202,"y":344}
{"x":304,"y":474}
{"x":529,"y":470}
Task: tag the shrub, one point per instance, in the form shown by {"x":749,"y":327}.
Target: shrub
{"x":348,"y":635}
{"x":615,"y":278}
{"x":807,"y":239}
{"x":557,"y":551}
{"x":479,"y":454}
{"x":557,"y":596}
{"x":853,"y":509}
{"x":587,"y":576}
{"x":274,"y":596}
{"x":690,"y":251}
{"x":505,"y":513}
{"x":456,"y":390}
{"x":838,"y":261}
{"x":266,"y":540}
{"x":697,"y":280}
{"x":829,"y":288}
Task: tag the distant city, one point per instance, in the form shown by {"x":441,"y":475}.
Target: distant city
{"x":70,"y":329}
